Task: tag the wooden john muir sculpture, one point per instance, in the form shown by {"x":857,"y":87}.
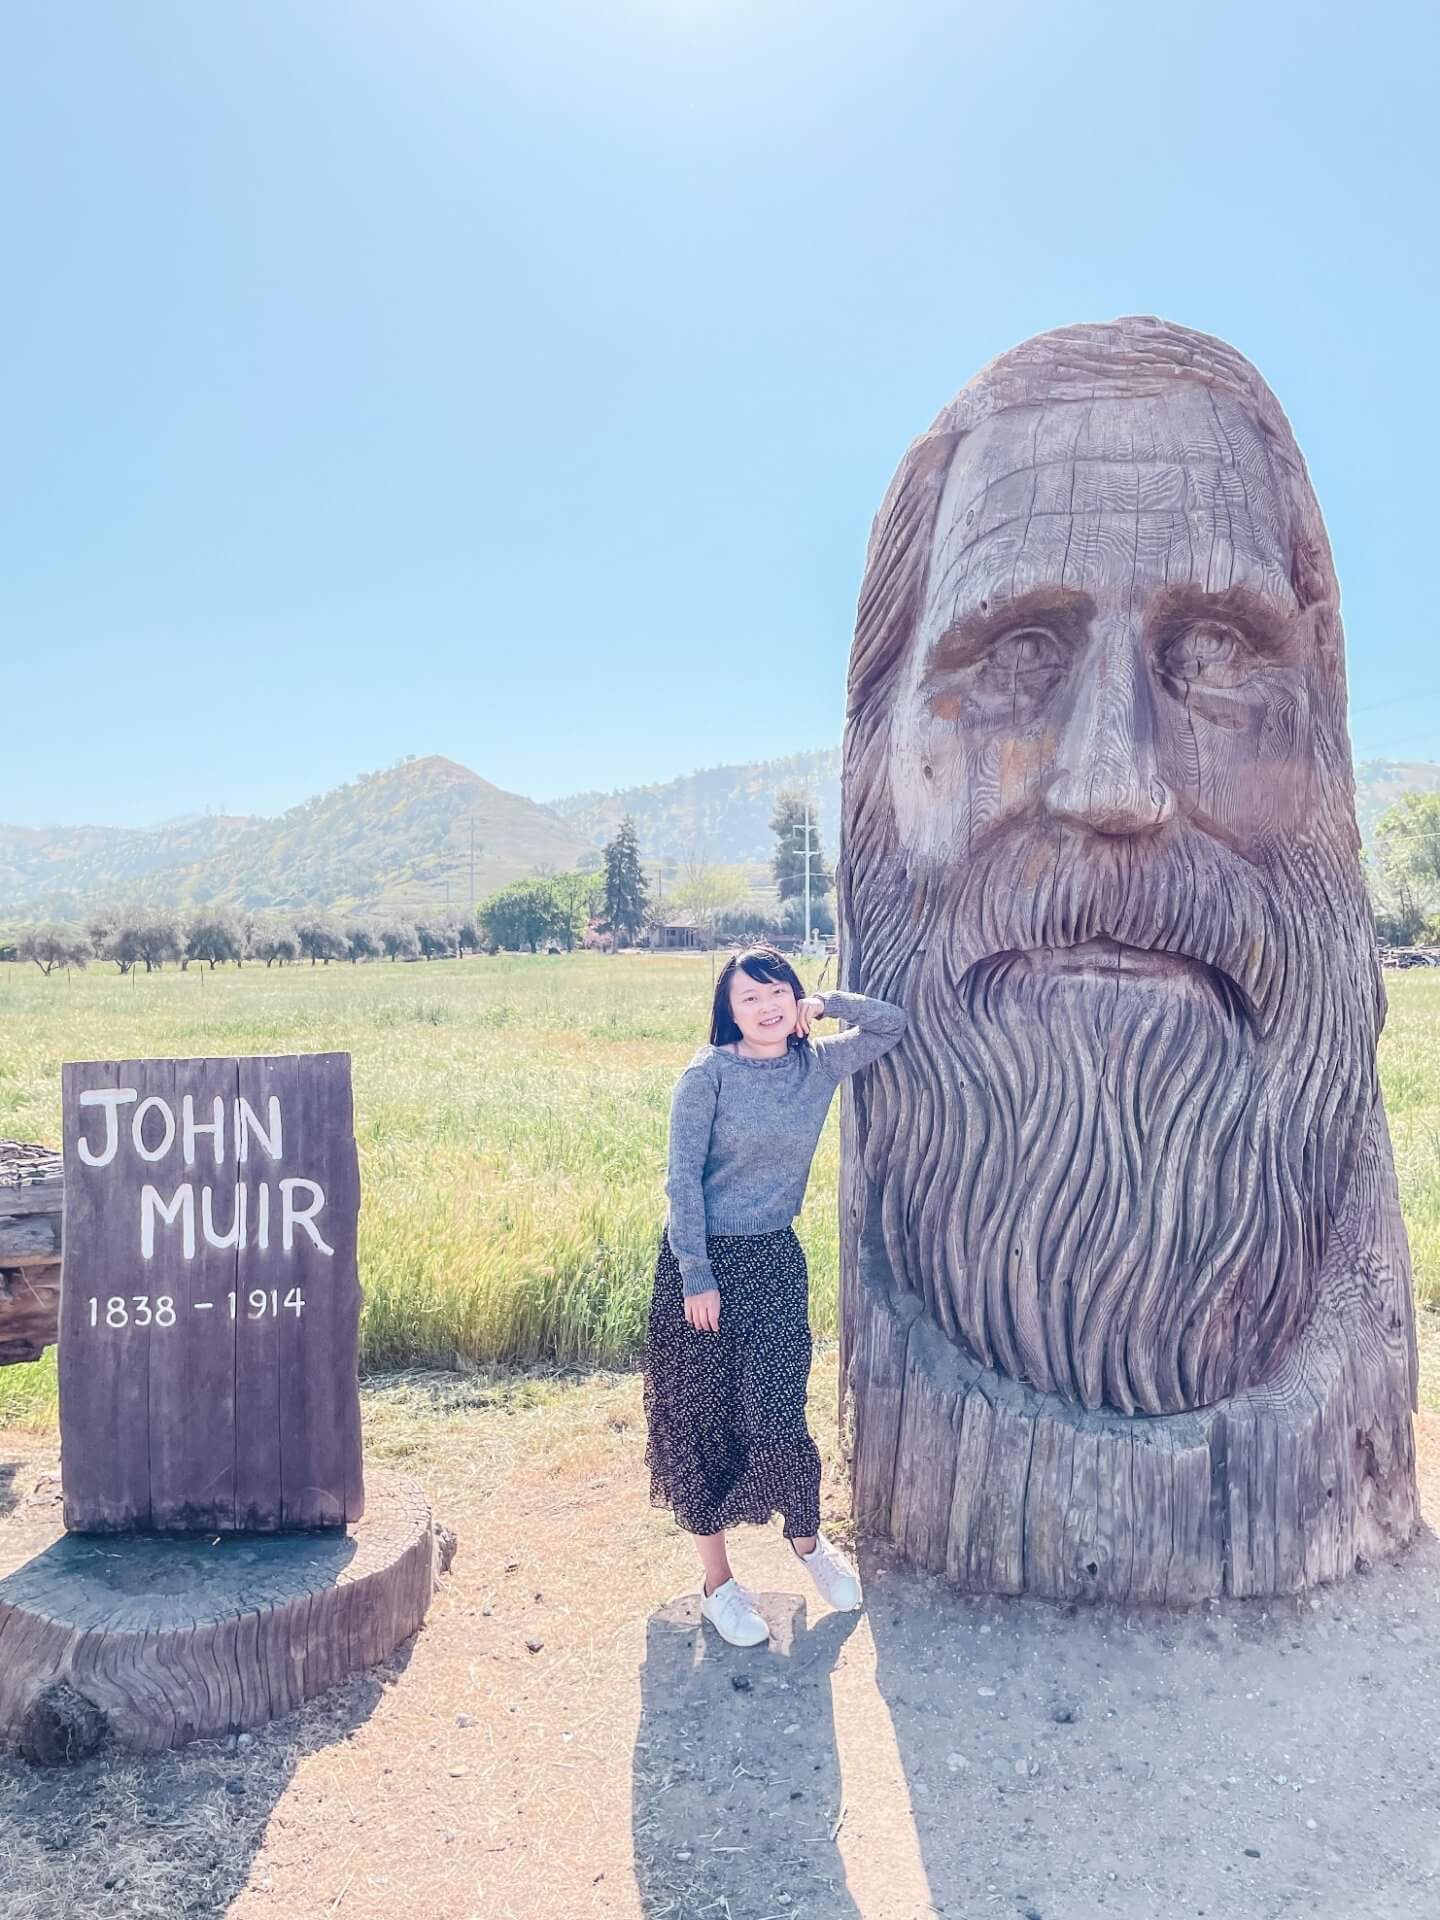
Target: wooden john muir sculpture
{"x":1126,"y":1304}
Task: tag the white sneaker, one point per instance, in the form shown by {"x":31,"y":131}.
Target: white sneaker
{"x":730,"y":1609}
{"x":832,"y":1573}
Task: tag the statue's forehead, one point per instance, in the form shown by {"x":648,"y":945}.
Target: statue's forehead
{"x":1181,"y":424}
{"x":1170,"y":488}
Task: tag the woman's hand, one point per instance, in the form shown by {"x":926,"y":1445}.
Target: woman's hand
{"x":812,"y":1007}
{"x":702,"y":1310}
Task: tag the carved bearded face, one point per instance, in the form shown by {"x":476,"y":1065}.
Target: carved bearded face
{"x":1104,"y":850}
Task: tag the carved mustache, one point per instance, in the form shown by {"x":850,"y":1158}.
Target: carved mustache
{"x":1181,"y":894}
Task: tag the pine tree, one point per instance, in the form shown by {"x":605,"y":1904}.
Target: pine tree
{"x":793,"y":810}
{"x":625,"y":891}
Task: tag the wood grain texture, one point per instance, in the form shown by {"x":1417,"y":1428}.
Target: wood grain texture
{"x":1126,"y":1303}
{"x":31,"y":1203}
{"x":318,"y":1403}
{"x":172,"y":1639}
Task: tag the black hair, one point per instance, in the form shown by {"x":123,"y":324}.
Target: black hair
{"x":761,"y":963}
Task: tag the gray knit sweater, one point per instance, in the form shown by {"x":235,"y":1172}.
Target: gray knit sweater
{"x":743,"y":1132}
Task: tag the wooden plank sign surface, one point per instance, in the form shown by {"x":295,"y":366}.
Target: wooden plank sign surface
{"x":210,"y":1301}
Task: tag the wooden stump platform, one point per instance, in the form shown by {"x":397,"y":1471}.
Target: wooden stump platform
{"x":153,"y":1640}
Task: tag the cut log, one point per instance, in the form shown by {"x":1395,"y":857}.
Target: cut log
{"x":153,"y":1640}
{"x":31,"y":1205}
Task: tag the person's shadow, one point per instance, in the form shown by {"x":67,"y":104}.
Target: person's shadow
{"x":736,"y":1776}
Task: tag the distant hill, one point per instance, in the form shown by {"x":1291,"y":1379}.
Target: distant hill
{"x":718,"y":816}
{"x":391,"y":841}
{"x":47,"y":871}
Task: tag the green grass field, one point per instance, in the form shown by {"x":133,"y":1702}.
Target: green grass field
{"x":511,"y":1115}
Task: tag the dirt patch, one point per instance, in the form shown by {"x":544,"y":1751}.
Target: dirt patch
{"x":565,"y":1737}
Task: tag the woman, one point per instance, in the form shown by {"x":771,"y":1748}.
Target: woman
{"x":727,"y":1357}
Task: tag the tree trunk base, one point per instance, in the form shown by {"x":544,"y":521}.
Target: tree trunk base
{"x":1001,"y":1489}
{"x":153,"y":1640}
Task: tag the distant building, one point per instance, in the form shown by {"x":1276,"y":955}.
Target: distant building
{"x":677,"y":929}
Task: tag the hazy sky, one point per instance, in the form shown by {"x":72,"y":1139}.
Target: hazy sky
{"x":518,"y":383}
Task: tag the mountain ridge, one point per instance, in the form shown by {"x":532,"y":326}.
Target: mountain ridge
{"x":390,"y":841}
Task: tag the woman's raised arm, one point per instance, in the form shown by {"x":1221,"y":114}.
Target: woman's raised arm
{"x":878,"y":1025}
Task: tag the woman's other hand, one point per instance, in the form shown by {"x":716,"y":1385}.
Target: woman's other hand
{"x":702,"y":1310}
{"x":812,"y":1007}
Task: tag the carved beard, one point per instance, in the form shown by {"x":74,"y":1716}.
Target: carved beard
{"x":1129,"y":1195}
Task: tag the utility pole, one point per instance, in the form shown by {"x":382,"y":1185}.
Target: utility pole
{"x":807,"y":830}
{"x":472,"y":863}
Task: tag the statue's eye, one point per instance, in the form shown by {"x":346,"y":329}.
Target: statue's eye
{"x":999,"y":678}
{"x":1028,"y":654}
{"x":1209,"y":653}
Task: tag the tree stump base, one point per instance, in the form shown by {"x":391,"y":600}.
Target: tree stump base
{"x":1002,"y":1489}
{"x":150,"y":1640}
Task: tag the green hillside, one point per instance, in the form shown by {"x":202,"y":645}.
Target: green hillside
{"x":51,"y":871}
{"x":390,"y":841}
{"x":720,"y":815}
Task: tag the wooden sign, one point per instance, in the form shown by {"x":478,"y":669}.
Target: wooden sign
{"x":210,"y":1303}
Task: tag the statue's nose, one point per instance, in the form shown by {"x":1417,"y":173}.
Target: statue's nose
{"x":1107,"y":777}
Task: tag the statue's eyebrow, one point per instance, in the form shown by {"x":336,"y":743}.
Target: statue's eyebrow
{"x":1055,"y":606}
{"x":1265,"y":618}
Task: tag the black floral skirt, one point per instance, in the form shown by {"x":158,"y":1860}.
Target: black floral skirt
{"x":725,"y":1410}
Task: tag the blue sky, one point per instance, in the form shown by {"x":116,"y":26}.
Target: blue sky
{"x":519,"y":383}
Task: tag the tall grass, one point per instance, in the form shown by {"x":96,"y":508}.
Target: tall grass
{"x":511,"y":1118}
{"x":1410,"y":1079}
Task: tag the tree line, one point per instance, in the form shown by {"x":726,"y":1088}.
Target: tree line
{"x":546,"y":911}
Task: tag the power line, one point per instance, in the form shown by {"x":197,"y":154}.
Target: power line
{"x":1397,"y":699}
{"x":1405,"y":740}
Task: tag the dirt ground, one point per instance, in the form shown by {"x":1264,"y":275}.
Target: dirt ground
{"x":565,"y":1737}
